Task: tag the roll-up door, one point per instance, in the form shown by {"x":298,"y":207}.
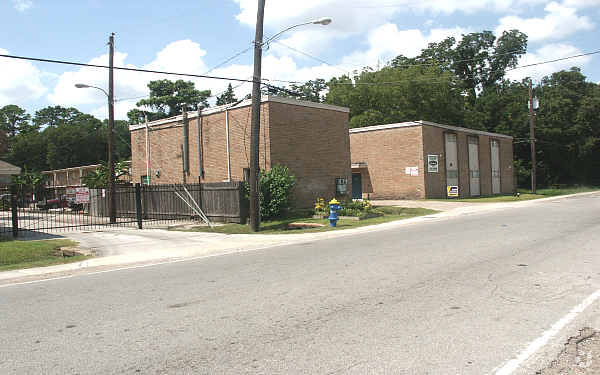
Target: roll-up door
{"x":495,"y":150}
{"x":451,"y":160}
{"x":474,"y":166}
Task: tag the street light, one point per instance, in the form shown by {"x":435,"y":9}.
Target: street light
{"x":321,"y":21}
{"x":255,"y":122}
{"x":111,"y":121}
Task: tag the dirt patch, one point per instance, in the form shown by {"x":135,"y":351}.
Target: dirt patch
{"x":581,"y":355}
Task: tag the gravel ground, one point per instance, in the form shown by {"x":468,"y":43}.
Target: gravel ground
{"x":581,"y":355}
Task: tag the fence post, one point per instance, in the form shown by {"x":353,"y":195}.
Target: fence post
{"x":14,"y":211}
{"x":138,"y":204}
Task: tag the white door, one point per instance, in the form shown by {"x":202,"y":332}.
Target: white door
{"x":495,"y":149}
{"x":451,"y":160}
{"x":474,"y":166}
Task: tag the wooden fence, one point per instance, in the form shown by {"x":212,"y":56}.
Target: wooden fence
{"x":220,"y":201}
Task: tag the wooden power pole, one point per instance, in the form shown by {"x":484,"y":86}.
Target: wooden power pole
{"x":111,"y":123}
{"x":532,"y":140}
{"x":255,"y":122}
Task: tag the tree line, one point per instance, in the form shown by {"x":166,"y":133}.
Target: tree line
{"x":461,"y":83}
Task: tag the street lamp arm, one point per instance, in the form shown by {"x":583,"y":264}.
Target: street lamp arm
{"x":84,"y":86}
{"x":320,"y":21}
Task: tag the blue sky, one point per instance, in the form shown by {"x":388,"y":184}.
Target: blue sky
{"x":195,"y":36}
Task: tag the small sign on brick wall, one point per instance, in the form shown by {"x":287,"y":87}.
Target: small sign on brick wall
{"x":432,"y":163}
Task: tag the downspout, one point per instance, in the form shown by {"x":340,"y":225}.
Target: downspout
{"x":186,"y":144}
{"x":200,"y":156}
{"x":147,"y":150}
{"x":227,"y":137}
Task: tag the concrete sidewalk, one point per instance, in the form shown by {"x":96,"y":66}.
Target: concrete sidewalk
{"x":121,"y":247}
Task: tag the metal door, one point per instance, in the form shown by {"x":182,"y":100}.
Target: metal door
{"x":495,"y":151}
{"x":474,"y":166}
{"x":451,"y":160}
{"x":356,"y":186}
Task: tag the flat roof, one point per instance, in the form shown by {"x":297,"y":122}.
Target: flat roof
{"x":243,"y":103}
{"x":409,"y":124}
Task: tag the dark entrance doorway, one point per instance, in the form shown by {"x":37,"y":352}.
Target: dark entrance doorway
{"x":356,"y":186}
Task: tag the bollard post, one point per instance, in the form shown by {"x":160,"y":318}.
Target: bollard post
{"x":138,"y":204}
{"x":14,"y":211}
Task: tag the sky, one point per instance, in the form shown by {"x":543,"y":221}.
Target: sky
{"x":201,"y":37}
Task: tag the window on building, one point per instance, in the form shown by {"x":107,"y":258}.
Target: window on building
{"x":246,"y":174}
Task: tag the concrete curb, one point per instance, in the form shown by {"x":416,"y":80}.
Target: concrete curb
{"x":229,"y":244}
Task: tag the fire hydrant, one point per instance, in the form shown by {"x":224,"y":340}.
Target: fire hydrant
{"x":334,"y":207}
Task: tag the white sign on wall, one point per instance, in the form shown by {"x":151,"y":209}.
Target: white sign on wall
{"x":432,"y":163}
{"x":82,"y":195}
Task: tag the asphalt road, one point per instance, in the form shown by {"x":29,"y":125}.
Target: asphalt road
{"x":455,"y":296}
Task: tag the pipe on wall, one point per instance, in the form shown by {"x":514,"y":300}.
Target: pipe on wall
{"x":227,"y":140}
{"x":200,"y":155}
{"x":186,"y":144}
{"x":147,"y":150}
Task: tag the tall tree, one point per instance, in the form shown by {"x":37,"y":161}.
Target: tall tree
{"x":15,"y":120}
{"x":313,"y":90}
{"x":227,"y":97}
{"x":398,"y":94}
{"x":168,"y":98}
{"x":57,"y":115}
{"x":478,"y":59}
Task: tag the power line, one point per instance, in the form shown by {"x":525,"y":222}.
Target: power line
{"x":124,"y":68}
{"x":229,"y":59}
{"x":310,"y":56}
{"x":64,"y":62}
{"x":555,"y":60}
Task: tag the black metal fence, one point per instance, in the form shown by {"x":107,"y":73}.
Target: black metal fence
{"x":45,"y":211}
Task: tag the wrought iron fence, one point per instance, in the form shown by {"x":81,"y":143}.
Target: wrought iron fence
{"x":47,"y":211}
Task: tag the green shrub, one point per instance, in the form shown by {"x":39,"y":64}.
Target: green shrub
{"x":275,"y":188}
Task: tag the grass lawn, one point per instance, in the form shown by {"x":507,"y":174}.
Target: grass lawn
{"x":526,"y":195}
{"x":27,"y":254}
{"x":279,"y":226}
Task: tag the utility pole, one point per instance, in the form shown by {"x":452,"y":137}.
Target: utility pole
{"x":111,"y":123}
{"x":255,"y":122}
{"x":532,"y":139}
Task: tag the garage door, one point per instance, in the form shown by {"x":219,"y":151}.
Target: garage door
{"x":474,"y":166}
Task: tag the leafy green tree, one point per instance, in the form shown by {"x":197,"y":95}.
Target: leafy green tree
{"x":398,"y":94}
{"x":99,"y":178}
{"x":313,"y":90}
{"x":227,"y":97}
{"x":14,"y":120}
{"x":168,"y":98}
{"x":479,"y":60}
{"x":28,"y":151}
{"x":57,"y":115}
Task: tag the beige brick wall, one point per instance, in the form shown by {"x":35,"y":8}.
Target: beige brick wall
{"x":313,"y":143}
{"x":166,"y":141}
{"x":387,"y":153}
{"x":433,"y":139}
{"x":434,"y":144}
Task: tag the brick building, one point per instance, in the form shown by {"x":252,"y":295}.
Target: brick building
{"x":414,"y":160}
{"x":311,"y":139}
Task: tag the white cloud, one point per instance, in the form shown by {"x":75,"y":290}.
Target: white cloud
{"x":20,"y":81}
{"x":547,"y":53}
{"x":360,"y":15}
{"x":387,"y":42}
{"x":22,"y":5}
{"x":560,"y":21}
{"x":178,"y":56}
{"x":580,"y":4}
